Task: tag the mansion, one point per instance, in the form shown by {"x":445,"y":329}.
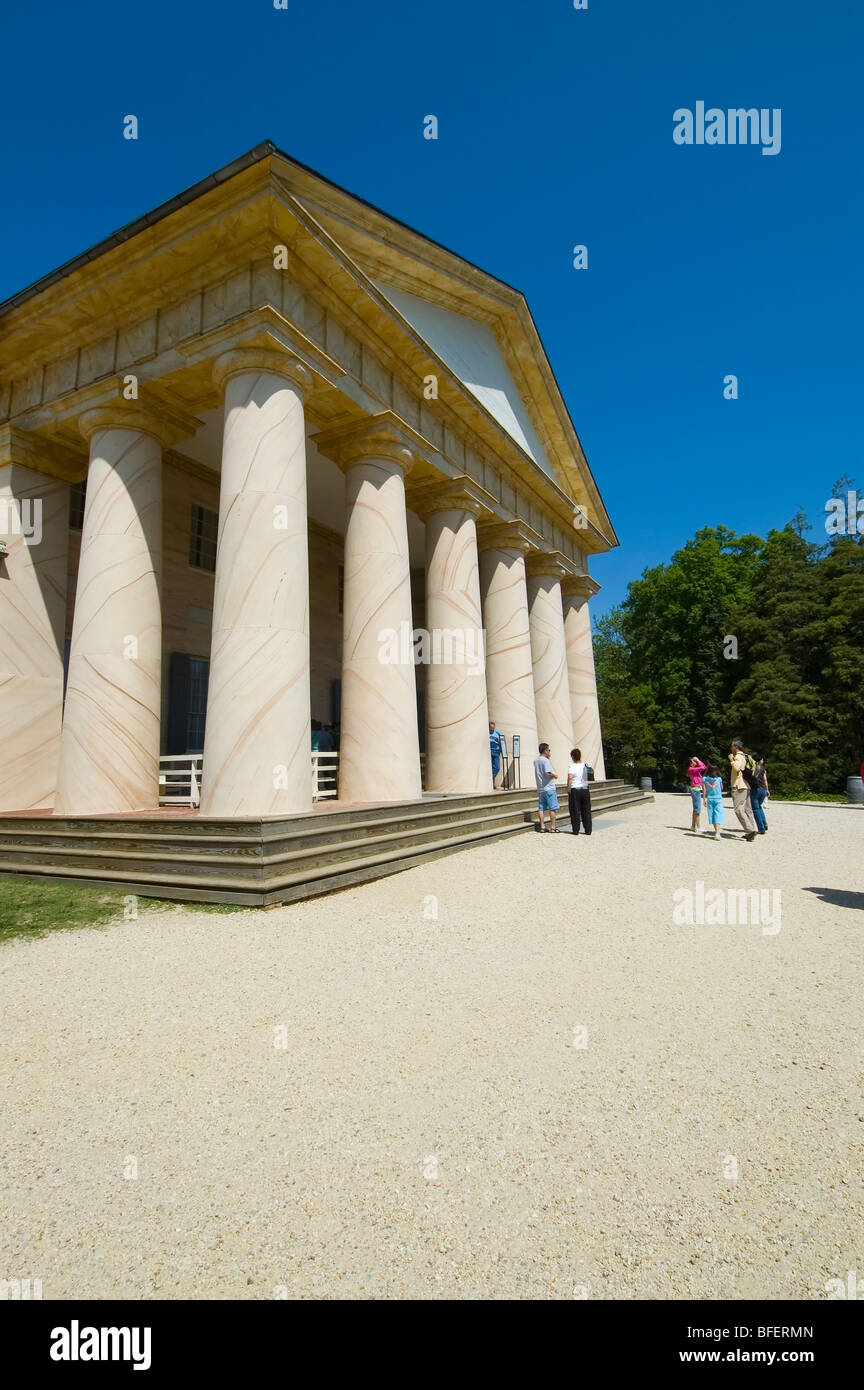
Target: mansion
{"x":240,"y":440}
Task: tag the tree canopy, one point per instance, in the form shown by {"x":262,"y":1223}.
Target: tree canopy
{"x":740,"y":637}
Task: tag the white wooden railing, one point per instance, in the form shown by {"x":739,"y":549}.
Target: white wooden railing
{"x":325,"y":772}
{"x":180,"y":778}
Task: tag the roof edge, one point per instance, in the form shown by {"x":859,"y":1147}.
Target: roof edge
{"x":267,"y":149}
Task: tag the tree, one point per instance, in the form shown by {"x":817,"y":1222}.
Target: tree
{"x":671,"y":683}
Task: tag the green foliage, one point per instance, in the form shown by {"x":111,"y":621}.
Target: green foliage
{"x":795,"y":693}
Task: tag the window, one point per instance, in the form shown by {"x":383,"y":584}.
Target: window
{"x":77,"y":497}
{"x":187,"y":703}
{"x":196,"y":707}
{"x":203,"y":531}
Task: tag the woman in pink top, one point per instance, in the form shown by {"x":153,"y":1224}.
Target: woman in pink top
{"x":694,"y":772}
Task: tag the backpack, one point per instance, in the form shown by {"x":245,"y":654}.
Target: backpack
{"x":750,"y":771}
{"x":589,"y":773}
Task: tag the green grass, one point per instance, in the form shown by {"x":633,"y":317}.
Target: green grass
{"x":34,"y":908}
{"x":813,"y":796}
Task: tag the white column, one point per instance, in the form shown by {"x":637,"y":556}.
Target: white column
{"x":509,"y":678}
{"x":257,"y":741}
{"x":34,"y":527}
{"x":109,"y":747}
{"x":580,"y":667}
{"x":549,"y":658}
{"x":379,"y":749}
{"x":457,"y":730}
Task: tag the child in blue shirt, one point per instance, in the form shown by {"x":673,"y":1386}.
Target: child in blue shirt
{"x":712,"y":783}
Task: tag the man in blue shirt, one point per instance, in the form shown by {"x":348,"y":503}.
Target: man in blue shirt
{"x":495,"y":750}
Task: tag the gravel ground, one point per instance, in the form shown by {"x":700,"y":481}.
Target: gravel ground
{"x":353,"y":1098}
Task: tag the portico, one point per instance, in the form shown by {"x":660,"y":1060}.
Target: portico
{"x":239,"y":392}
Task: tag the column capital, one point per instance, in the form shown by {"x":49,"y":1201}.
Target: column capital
{"x":507,"y":535}
{"x":450,"y":494}
{"x":165,"y":425}
{"x":31,"y":450}
{"x":262,"y":359}
{"x":384,"y":435}
{"x":552,"y":563}
{"x":579,"y":586}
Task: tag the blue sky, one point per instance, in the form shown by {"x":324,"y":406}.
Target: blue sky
{"x":555,"y":128}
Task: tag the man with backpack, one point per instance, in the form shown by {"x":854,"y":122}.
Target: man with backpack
{"x":741,"y":788}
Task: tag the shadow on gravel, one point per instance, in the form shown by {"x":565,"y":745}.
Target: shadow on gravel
{"x":839,"y":897}
{"x":724,"y":834}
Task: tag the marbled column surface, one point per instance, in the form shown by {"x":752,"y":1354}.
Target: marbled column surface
{"x":379,"y":753}
{"x":549,"y":658}
{"x":509,"y":678}
{"x":583,"y":684}
{"x":32,"y":628}
{"x":257,"y":739}
{"x":457,"y":729}
{"x":109,"y":747}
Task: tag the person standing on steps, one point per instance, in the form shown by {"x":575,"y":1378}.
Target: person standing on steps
{"x":547,"y":796}
{"x":578,"y":793}
{"x":495,"y":751}
{"x":740,"y":790}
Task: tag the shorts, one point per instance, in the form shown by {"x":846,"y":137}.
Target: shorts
{"x":548,"y":799}
{"x":696,"y":797}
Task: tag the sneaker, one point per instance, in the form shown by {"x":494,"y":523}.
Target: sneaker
{"x":751,"y":835}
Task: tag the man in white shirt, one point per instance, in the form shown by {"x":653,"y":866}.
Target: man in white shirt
{"x":547,"y":796}
{"x":578,"y":793}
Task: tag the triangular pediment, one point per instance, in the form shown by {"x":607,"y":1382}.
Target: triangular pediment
{"x":479,"y":326}
{"x":472,"y":352}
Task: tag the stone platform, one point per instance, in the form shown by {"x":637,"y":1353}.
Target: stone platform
{"x":258,"y":861}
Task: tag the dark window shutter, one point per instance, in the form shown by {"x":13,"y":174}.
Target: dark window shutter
{"x":178,"y":703}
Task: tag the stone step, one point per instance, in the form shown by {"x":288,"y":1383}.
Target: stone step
{"x":274,"y":859}
{"x":193,"y":836}
{"x":253,"y":866}
{"x":308,"y":882}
